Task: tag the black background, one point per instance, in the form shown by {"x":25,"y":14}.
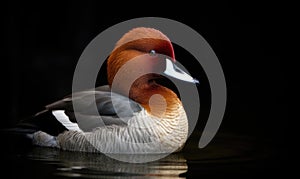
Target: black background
{"x":43,"y":42}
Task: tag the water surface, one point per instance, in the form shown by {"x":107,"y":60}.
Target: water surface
{"x":227,"y":155}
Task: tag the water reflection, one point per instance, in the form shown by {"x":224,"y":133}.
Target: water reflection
{"x":76,"y":164}
{"x":226,"y":155}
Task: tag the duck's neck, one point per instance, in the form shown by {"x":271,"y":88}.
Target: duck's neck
{"x":158,"y":100}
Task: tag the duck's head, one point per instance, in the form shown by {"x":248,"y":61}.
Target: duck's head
{"x":146,"y":42}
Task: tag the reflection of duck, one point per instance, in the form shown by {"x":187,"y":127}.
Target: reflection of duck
{"x":89,"y":165}
{"x":149,"y":129}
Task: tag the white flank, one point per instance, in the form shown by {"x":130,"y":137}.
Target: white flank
{"x":64,"y":120}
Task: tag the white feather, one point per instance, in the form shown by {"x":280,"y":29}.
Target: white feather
{"x":143,"y":134}
{"x":65,"y":121}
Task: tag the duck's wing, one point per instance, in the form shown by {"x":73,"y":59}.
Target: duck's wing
{"x":107,"y":103}
{"x":94,"y":108}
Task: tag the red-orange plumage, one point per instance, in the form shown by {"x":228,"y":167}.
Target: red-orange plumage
{"x":138,"y":42}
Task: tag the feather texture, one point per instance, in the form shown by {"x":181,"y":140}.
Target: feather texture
{"x":154,"y":120}
{"x":143,"y":134}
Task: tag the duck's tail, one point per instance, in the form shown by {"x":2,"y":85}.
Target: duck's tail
{"x":42,"y":121}
{"x":22,"y":132}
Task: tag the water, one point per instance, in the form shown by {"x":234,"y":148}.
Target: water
{"x":70,"y":164}
{"x":227,"y":155}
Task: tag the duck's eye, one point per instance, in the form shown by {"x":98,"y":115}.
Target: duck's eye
{"x":152,"y":52}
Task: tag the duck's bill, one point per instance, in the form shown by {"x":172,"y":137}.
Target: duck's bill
{"x":174,"y":71}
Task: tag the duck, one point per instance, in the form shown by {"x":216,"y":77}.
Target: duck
{"x":156,"y":123}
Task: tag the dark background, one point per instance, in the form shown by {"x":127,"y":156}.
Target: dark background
{"x":43,"y":42}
